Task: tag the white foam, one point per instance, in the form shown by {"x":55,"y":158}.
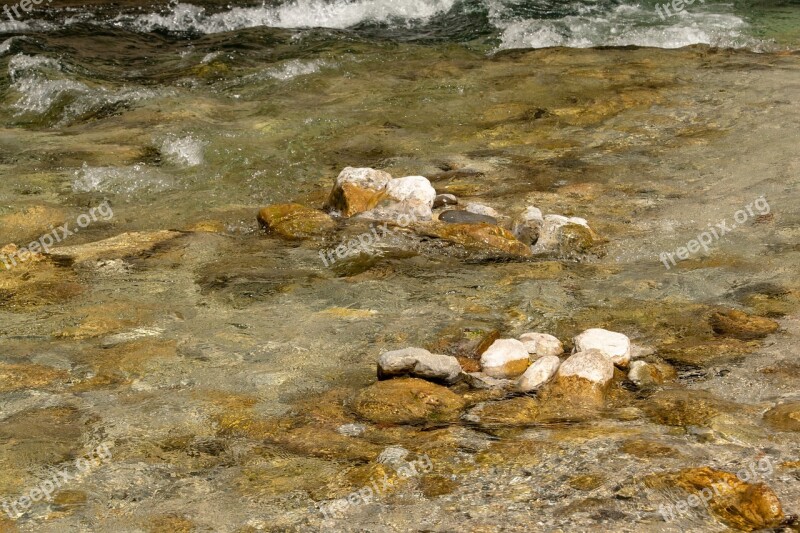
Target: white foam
{"x":298,"y":14}
{"x":186,"y":151}
{"x":625,"y":25}
{"x":119,"y":180}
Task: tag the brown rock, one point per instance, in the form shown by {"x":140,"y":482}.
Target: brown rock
{"x":18,"y":377}
{"x":683,"y":408}
{"x":408,"y":401}
{"x":120,"y":246}
{"x":516,"y":412}
{"x":294,"y":221}
{"x":357,"y":190}
{"x":784,"y":417}
{"x":739,"y":325}
{"x":29,"y":223}
{"x":482,"y":237}
{"x":740,"y":505}
{"x":433,"y":486}
{"x":326,"y":443}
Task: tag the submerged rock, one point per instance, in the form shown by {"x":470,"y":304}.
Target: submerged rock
{"x":682,"y":408}
{"x":294,"y":221}
{"x":408,"y":401}
{"x":539,"y":373}
{"x":483,"y":237}
{"x":458,"y":216}
{"x":615,"y":346}
{"x":443,"y":200}
{"x":645,"y":374}
{"x":505,"y":358}
{"x":528,"y":226}
{"x":357,"y":190}
{"x":481,"y":381}
{"x":485,"y":210}
{"x":564,"y":235}
{"x":784,"y":417}
{"x":120,"y":246}
{"x":735,"y":502}
{"x":541,"y":344}
{"x":740,"y":325}
{"x":520,"y":411}
{"x":419,"y":363}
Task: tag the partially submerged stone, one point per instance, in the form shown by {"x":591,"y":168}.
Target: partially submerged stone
{"x":485,"y":210}
{"x":408,"y":401}
{"x":584,"y":378}
{"x":295,"y":221}
{"x":483,"y":237}
{"x":682,"y":408}
{"x":481,"y":381}
{"x":528,"y":226}
{"x":541,"y":344}
{"x":645,"y":374}
{"x":615,"y":346}
{"x":406,"y":201}
{"x":459,"y":216}
{"x":443,"y":200}
{"x":514,"y":412}
{"x":416,"y":362}
{"x":357,"y":190}
{"x":563,"y":235}
{"x":505,"y":358}
{"x":539,"y":373}
{"x":740,"y":325}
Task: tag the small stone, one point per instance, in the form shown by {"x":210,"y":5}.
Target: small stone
{"x":351,"y":430}
{"x":539,"y":373}
{"x":443,"y":200}
{"x":420,"y":363}
{"x":541,"y":344}
{"x":357,"y":190}
{"x":456,"y":216}
{"x":739,"y":325}
{"x":408,"y":401}
{"x":528,"y":225}
{"x":485,"y":210}
{"x":505,"y":358}
{"x":564,"y":235}
{"x":615,"y":346}
{"x":645,"y":374}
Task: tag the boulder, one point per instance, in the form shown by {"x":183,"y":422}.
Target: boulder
{"x":541,"y":344}
{"x":539,"y":373}
{"x":615,"y":346}
{"x":295,"y":221}
{"x":419,"y":363}
{"x":505,"y":358}
{"x":528,"y":225}
{"x":357,"y":190}
{"x":408,"y":401}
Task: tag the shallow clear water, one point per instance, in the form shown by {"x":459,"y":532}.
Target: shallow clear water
{"x":220,"y":361}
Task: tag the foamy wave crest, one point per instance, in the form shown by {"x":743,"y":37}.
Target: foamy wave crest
{"x":299,"y":14}
{"x":186,"y":151}
{"x":624,"y":26}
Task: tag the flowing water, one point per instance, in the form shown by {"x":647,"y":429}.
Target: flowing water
{"x":220,"y":363}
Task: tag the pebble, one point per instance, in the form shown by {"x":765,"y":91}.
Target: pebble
{"x":541,"y":344}
{"x":443,"y":200}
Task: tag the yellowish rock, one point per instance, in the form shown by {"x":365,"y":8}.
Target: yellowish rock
{"x":408,"y":401}
{"x":295,"y":221}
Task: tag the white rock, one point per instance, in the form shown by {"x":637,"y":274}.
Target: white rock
{"x":480,"y":209}
{"x":393,"y":455}
{"x":357,"y":190}
{"x":639,"y":373}
{"x":364,"y":178}
{"x":408,"y":200}
{"x":539,"y":373}
{"x":541,"y":344}
{"x":505,"y":358}
{"x":615,"y":346}
{"x":591,"y":365}
{"x":415,"y":189}
{"x":419,"y":363}
{"x":351,"y":430}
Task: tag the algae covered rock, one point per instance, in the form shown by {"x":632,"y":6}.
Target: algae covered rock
{"x":740,"y":325}
{"x":295,"y":221}
{"x":784,"y":417}
{"x":563,"y":235}
{"x":483,"y":237}
{"x":408,"y":401}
